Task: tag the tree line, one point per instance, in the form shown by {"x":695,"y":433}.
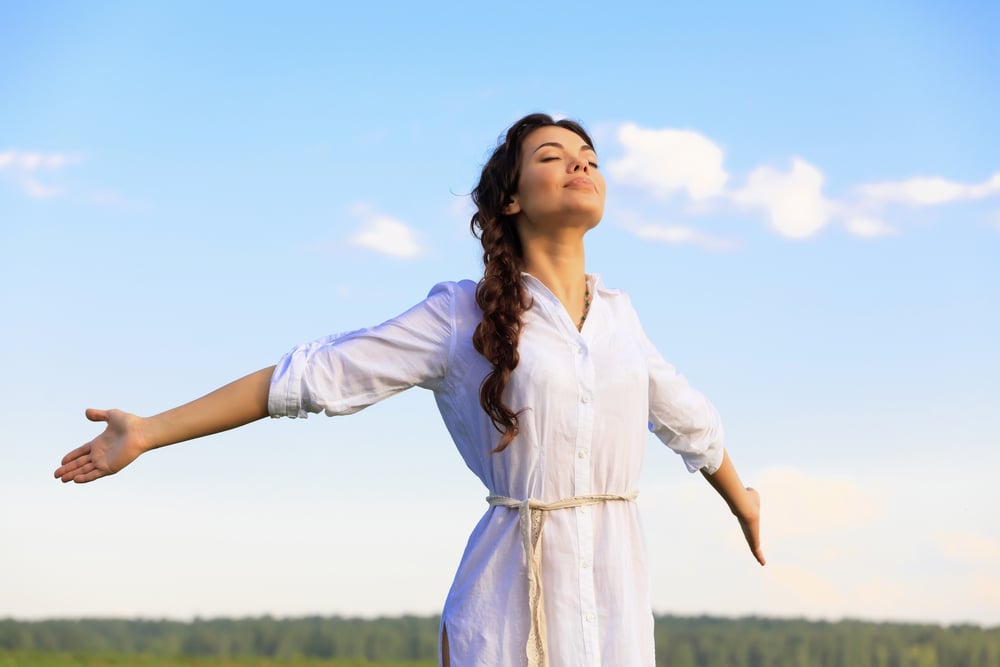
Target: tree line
{"x":680,"y":641}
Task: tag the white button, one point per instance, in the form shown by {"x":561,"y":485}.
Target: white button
{"x":585,"y":398}
{"x":589,"y":618}
{"x":581,"y":454}
{"x":579,"y":351}
{"x":585,"y":564}
{"x":582,"y":509}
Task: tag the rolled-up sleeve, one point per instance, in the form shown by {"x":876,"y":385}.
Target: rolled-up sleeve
{"x":347,"y":372}
{"x":681,"y":417}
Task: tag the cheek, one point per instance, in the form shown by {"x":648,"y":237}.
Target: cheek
{"x":539,"y":186}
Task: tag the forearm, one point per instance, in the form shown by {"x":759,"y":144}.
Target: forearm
{"x":743,"y":502}
{"x":238,"y":403}
{"x":726,"y":481}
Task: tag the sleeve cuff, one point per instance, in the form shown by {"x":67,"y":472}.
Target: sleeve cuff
{"x":283,"y":399}
{"x":706,"y":462}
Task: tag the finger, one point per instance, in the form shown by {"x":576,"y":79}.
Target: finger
{"x":89,"y":476}
{"x":753,"y":541}
{"x":754,"y":536}
{"x":70,"y":471}
{"x":72,"y":468}
{"x":82,"y":450}
{"x":95,"y":415}
{"x":83,"y":469}
{"x":757,"y":551}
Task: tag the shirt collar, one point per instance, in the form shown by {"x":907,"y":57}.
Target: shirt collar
{"x":594,"y":284}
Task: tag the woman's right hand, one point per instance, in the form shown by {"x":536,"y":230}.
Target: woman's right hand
{"x":121,"y":443}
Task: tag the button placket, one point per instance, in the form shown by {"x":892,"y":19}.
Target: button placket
{"x":582,"y":486}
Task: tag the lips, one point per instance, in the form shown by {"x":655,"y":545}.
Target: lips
{"x":580,"y":182}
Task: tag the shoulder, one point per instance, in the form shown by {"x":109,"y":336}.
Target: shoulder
{"x":614,"y":298}
{"x":460,"y":292}
{"x":458,"y":297}
{"x":460,"y":287}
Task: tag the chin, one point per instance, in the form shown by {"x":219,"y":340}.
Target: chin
{"x":591,"y":219}
{"x":586,"y":217}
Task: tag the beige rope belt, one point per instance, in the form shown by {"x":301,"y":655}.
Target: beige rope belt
{"x":531,"y":518}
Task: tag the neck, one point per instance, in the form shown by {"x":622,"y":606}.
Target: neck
{"x":559,"y":265}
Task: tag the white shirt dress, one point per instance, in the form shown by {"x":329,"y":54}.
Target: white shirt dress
{"x":589,"y":397}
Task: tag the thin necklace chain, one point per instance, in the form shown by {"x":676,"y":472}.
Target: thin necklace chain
{"x":586,"y":306}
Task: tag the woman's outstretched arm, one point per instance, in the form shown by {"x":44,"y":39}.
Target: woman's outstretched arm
{"x":744,"y":502}
{"x":126,"y":436}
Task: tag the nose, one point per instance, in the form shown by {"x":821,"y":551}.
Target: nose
{"x":579,"y":164}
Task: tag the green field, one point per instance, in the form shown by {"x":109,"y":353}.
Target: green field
{"x":45,"y":659}
{"x":411,"y":641}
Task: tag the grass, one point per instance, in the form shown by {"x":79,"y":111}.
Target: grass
{"x":45,"y":659}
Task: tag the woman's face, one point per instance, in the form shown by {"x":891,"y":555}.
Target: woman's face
{"x":559,"y":185}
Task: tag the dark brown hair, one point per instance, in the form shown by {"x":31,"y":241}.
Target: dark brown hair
{"x":501,"y":294}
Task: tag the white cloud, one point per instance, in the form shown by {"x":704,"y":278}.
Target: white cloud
{"x":929,"y":191}
{"x":670,"y":161}
{"x":793,"y":201}
{"x":28,"y":161}
{"x":386,"y":235}
{"x":985,"y":588}
{"x":37,"y":190}
{"x":806,"y":586}
{"x":665,"y":162}
{"x":971,"y":548}
{"x":802,"y":505}
{"x":868,"y":228}
{"x":677,"y":235}
{"x":22,"y":165}
{"x":851,"y":544}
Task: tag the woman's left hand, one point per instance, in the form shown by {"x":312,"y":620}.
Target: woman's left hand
{"x":749,"y":520}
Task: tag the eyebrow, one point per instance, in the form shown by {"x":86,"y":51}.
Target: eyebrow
{"x":559,"y":145}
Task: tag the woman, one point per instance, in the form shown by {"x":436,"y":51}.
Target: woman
{"x":547,"y":385}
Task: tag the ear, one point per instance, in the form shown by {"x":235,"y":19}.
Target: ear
{"x":513,"y":207}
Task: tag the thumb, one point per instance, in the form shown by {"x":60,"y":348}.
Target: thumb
{"x":95,"y":415}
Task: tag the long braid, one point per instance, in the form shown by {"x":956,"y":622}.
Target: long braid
{"x":501,"y":297}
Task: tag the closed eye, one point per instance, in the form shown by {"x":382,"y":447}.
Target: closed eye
{"x":553,"y":158}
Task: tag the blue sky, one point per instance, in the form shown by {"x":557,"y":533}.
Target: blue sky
{"x":804,"y":204}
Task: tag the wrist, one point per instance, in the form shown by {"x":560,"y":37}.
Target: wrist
{"x":146,"y":434}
